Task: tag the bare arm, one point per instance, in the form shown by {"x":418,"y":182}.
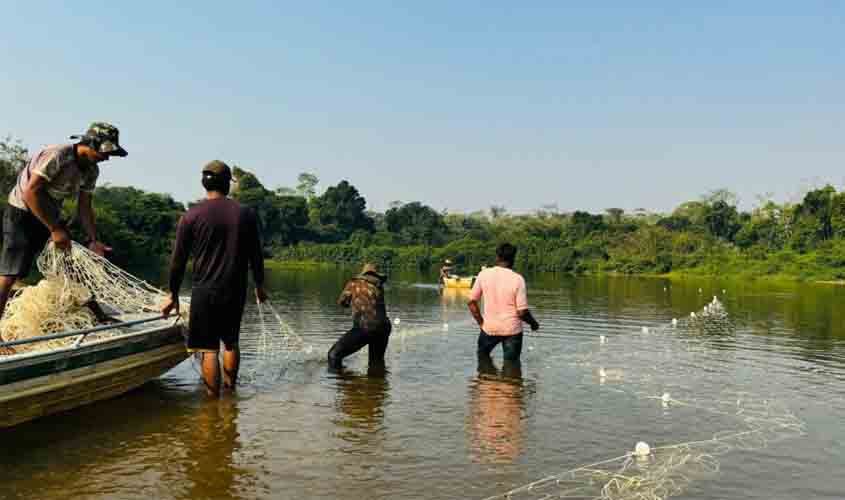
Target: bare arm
{"x":345,"y":298}
{"x":89,"y":224}
{"x":178,"y":263}
{"x":86,"y":216}
{"x":256,"y":261}
{"x":34,"y":196}
{"x":179,"y":258}
{"x":522,"y":306}
{"x":475,"y":310}
{"x":525,"y":315}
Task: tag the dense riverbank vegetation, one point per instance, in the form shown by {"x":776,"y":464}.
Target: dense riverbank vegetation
{"x":709,"y":236}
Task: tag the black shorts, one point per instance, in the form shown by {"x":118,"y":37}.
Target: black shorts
{"x":24,"y":236}
{"x":215,"y":316}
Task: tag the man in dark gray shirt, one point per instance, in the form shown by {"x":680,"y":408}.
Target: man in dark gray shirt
{"x":222,"y":236}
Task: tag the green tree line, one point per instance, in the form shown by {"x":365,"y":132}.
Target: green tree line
{"x":804,"y":240}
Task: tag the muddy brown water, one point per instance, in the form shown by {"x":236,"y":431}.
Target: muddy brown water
{"x":435,"y":424}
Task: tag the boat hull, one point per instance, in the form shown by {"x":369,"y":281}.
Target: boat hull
{"x":458,"y":282}
{"x":44,"y":383}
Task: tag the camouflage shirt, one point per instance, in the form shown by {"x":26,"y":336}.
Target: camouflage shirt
{"x":365,"y":296}
{"x":66,"y":176}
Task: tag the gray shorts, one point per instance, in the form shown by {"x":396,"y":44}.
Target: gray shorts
{"x":24,"y":236}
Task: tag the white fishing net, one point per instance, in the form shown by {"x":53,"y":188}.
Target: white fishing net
{"x":750,"y":422}
{"x":658,"y":473}
{"x":74,"y":280}
{"x":268,"y":345}
{"x":266,"y":336}
{"x":110,"y":285}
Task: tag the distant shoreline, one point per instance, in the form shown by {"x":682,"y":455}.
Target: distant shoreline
{"x":687,"y":274}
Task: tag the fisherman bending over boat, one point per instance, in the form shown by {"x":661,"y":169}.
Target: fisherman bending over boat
{"x":364,"y":294}
{"x":505,"y":306}
{"x":222,"y":236}
{"x":32,"y":216}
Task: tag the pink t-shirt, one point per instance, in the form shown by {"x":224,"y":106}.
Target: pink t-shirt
{"x":504,"y":297}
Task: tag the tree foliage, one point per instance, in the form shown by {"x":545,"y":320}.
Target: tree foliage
{"x":283,"y":218}
{"x":138,"y":225}
{"x":416,"y":223}
{"x":307,"y":185}
{"x":13,"y":158}
{"x":708,"y":235}
{"x":340,"y":212}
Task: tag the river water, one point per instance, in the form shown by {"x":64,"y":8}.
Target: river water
{"x":759,"y":394}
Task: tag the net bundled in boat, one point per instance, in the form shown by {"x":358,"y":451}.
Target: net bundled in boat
{"x":74,"y":281}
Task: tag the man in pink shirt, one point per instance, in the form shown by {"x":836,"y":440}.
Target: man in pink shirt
{"x":505,"y":306}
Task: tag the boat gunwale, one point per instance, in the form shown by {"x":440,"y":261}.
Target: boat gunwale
{"x":11,"y":361}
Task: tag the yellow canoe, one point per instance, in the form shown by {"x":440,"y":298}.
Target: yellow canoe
{"x":458,"y":282}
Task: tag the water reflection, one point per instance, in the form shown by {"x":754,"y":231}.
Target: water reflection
{"x":454,"y":296}
{"x":297,"y":432}
{"x":210,"y":465}
{"x":361,"y":400}
{"x":498,"y":401}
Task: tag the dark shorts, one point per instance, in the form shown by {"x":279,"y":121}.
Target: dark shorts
{"x":215,"y":316}
{"x":24,"y":236}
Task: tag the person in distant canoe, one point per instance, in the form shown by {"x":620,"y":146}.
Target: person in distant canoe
{"x":446,"y":271}
{"x":32,"y":217}
{"x":364,"y":295}
{"x":505,"y":306}
{"x":222,"y":236}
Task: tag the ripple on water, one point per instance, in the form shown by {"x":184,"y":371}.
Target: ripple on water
{"x":436,"y":424}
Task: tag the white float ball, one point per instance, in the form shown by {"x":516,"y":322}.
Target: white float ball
{"x":602,"y":339}
{"x":397,"y":321}
{"x":445,"y":327}
{"x":642,"y":449}
{"x":674,"y":321}
{"x":602,"y":373}
{"x":645,"y":329}
{"x":692,"y":315}
{"x":665,"y":397}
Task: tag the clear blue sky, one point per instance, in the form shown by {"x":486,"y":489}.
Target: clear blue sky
{"x":458,"y":104}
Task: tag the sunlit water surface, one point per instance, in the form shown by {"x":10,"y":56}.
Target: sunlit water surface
{"x":436,"y":425}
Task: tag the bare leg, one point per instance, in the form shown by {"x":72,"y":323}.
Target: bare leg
{"x":231,"y":365}
{"x":6,"y":283}
{"x":211,"y":373}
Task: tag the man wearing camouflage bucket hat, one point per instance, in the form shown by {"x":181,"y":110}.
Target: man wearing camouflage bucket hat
{"x":32,"y":216}
{"x":371,"y":327}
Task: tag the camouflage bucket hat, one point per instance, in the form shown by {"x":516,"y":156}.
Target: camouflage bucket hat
{"x":103,"y":137}
{"x":373,"y":270}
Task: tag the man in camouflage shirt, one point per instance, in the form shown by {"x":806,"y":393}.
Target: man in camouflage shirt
{"x":32,"y":216}
{"x":364,"y":294}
